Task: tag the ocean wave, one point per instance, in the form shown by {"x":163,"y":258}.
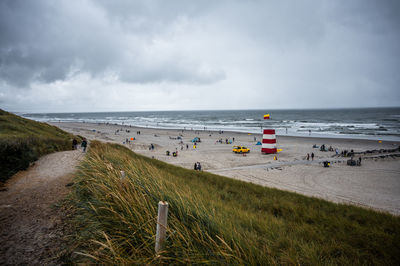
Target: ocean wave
{"x":329,"y":122}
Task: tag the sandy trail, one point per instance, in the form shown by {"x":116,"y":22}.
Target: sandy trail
{"x":31,"y":229}
{"x":276,"y":164}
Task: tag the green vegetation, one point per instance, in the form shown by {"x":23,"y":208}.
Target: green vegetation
{"x":23,"y":141}
{"x":215,"y":220}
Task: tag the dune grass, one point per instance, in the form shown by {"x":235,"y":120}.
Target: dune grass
{"x":215,"y":220}
{"x":23,"y":141}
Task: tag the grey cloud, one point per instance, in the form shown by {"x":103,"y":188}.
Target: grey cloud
{"x":44,"y":41}
{"x":379,"y":17}
{"x":292,"y":50}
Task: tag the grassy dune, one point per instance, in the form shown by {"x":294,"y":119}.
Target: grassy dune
{"x":23,"y":141}
{"x":216,"y":220}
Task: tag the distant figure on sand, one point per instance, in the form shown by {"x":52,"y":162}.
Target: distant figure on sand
{"x":309,"y":132}
{"x":312,"y":156}
{"x":84,"y":144}
{"x":308,"y":156}
{"x":197,"y":166}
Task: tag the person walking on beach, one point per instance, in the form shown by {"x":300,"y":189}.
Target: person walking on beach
{"x":84,"y":144}
{"x":308,"y":156}
{"x":312,"y":156}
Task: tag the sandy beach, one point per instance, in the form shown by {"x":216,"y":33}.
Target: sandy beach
{"x":375,"y":184}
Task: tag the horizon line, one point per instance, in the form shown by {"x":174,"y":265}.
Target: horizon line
{"x":207,"y":110}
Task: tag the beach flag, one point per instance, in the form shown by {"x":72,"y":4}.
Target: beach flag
{"x":266,"y":116}
{"x":269,"y":141}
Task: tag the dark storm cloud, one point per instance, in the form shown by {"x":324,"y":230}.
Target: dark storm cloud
{"x":45,"y":41}
{"x":299,"y":51}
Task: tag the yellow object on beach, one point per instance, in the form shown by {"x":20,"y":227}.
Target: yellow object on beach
{"x":279,"y":150}
{"x":266,"y":116}
{"x":240,"y":149}
{"x":248,"y":133}
{"x":380,"y":141}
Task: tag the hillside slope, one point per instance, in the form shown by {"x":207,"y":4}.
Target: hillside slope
{"x":23,"y":141}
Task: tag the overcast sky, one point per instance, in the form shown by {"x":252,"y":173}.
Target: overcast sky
{"x":74,"y":56}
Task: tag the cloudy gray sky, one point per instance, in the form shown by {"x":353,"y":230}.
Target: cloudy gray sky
{"x":122,"y":55}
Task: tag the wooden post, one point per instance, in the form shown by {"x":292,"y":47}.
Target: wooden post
{"x":161,"y":225}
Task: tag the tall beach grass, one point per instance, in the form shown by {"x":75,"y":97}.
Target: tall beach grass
{"x":23,"y":141}
{"x":215,"y":220}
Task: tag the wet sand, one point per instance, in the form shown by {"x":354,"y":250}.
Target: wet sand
{"x":375,"y":184}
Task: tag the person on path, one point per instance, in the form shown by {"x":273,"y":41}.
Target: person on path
{"x":84,"y":144}
{"x":74,"y":144}
{"x":195,"y":166}
{"x":312,"y":156}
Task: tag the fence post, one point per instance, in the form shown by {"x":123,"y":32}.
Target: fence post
{"x":161,"y":225}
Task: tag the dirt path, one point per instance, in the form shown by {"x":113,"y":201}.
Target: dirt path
{"x":31,"y":229}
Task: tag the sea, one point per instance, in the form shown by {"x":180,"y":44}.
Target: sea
{"x":364,"y":123}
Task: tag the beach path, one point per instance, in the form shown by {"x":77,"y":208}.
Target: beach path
{"x":31,"y":227}
{"x":276,"y":164}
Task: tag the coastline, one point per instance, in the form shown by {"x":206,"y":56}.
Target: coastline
{"x":376,"y":184}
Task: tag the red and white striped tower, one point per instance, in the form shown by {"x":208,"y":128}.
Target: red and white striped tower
{"x":269,"y":141}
